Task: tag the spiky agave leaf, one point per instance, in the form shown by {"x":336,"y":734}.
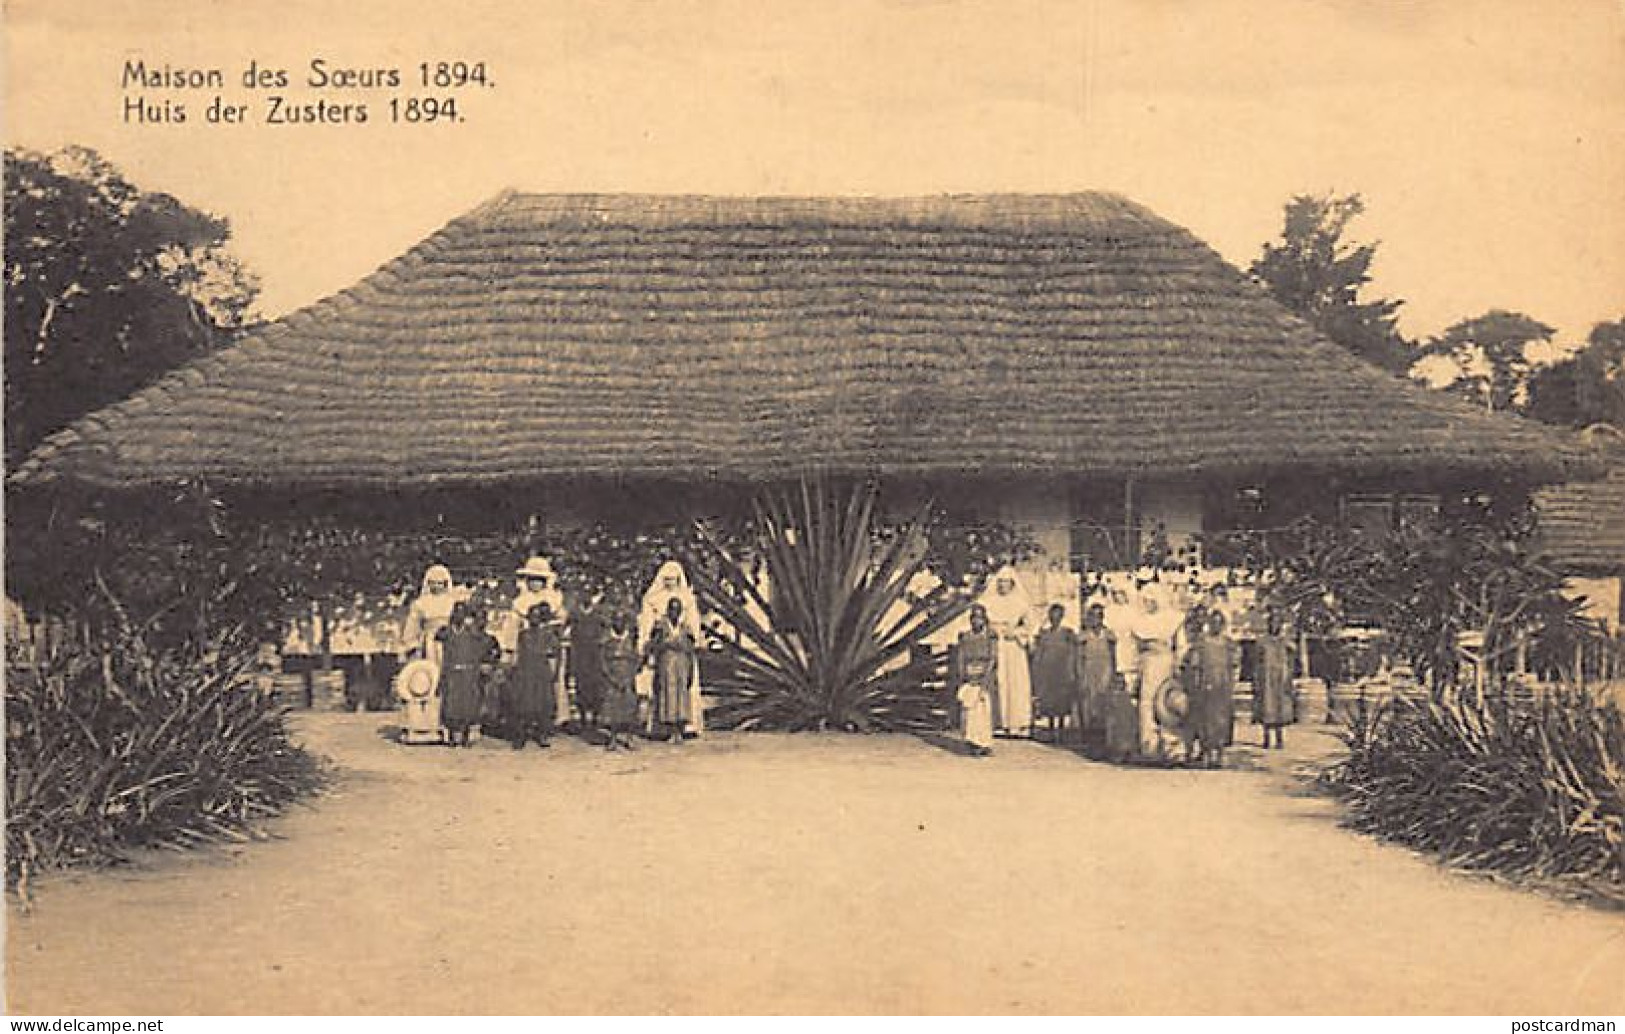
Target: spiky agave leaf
{"x":823,"y":649}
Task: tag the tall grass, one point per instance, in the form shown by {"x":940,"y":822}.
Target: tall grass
{"x":1521,"y":784}
{"x":112,"y":746}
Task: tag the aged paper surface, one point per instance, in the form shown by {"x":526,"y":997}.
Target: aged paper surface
{"x":777,"y":874}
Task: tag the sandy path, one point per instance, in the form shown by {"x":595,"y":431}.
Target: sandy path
{"x":816,"y":874}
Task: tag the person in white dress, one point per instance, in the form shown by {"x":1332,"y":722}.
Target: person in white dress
{"x":671,"y":582}
{"x":1154,"y":630}
{"x":1009,"y":615}
{"x":428,"y":614}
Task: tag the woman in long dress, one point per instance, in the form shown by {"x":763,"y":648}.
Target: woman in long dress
{"x":671,"y":582}
{"x":1154,"y":629}
{"x":619,"y":661}
{"x":976,"y":667}
{"x":1009,"y":616}
{"x":1213,"y":705}
{"x":1097,"y":669}
{"x":1056,"y":671}
{"x":428,"y":614}
{"x":1273,"y":704}
{"x":671,"y":649}
{"x":465,"y":651}
{"x":538,"y":583}
{"x":528,"y":694}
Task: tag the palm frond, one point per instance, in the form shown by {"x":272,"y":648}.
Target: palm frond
{"x":825,"y":646}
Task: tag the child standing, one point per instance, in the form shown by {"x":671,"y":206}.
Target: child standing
{"x":976,"y":668}
{"x":530,"y":695}
{"x":465,"y":648}
{"x":618,"y":663}
{"x":1097,"y":669}
{"x":1273,"y":705}
{"x":1055,"y":671}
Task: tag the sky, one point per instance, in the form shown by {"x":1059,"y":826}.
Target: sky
{"x":1486,"y":136}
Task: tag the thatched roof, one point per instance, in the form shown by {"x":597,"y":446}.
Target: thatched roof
{"x":542,"y":336}
{"x":1582,"y":524}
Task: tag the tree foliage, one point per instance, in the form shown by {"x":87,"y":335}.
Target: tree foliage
{"x":1490,"y":354}
{"x":1317,"y":274}
{"x":1587,"y":387}
{"x":106,"y":287}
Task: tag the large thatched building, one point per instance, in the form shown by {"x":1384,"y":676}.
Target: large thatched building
{"x":1071,"y":362}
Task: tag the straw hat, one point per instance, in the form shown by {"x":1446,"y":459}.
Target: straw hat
{"x":1172,"y":705}
{"x":536,"y":567}
{"x":417,"y":680}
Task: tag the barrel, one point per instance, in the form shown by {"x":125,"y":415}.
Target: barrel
{"x":327,"y":690}
{"x":288,"y":689}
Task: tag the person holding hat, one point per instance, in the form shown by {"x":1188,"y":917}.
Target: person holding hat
{"x":1154,"y":630}
{"x":527,"y":696}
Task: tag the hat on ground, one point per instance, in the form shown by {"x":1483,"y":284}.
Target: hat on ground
{"x":417,"y":680}
{"x":536,"y":567}
{"x":1172,"y":705}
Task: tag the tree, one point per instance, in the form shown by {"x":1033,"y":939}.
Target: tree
{"x":1491,"y":356}
{"x":106,"y":288}
{"x":1586,"y":388}
{"x":1319,"y":276}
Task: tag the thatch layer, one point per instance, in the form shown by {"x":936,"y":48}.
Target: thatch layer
{"x":1582,"y":524}
{"x":545,"y":336}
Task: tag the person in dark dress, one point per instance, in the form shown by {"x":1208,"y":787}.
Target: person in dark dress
{"x":1055,"y":671}
{"x":465,"y":650}
{"x":530,"y":694}
{"x":1274,"y":706}
{"x":618,"y":664}
{"x":1097,"y":669}
{"x":975,"y":676}
{"x":1213,"y":706}
{"x":586,"y":668}
{"x":671,"y":650}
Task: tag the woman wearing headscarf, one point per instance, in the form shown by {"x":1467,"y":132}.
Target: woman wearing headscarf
{"x":671,"y":582}
{"x":1009,"y":615}
{"x":428,"y":614}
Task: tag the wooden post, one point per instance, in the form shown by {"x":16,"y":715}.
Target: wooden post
{"x":1130,"y":538}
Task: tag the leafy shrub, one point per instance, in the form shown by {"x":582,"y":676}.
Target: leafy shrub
{"x":115,"y":746}
{"x":837,"y":642}
{"x":1514,"y":782}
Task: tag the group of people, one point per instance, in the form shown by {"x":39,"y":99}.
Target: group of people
{"x":630,"y":673}
{"x":1147,"y":674}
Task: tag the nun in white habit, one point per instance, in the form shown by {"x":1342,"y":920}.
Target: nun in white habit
{"x":1009,"y":615}
{"x":671,"y":582}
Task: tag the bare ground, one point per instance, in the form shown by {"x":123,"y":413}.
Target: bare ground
{"x":803,"y":874}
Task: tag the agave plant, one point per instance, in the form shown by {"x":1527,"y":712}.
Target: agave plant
{"x":835,"y":640}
